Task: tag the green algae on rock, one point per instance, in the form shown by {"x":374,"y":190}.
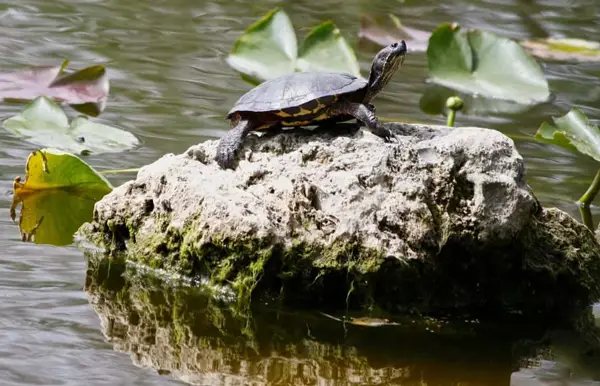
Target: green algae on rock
{"x":441,"y":219}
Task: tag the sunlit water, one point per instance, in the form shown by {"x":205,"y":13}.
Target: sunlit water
{"x":170,"y":86}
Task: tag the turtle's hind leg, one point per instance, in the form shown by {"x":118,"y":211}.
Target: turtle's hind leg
{"x":231,"y":142}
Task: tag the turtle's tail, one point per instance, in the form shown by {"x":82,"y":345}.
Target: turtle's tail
{"x":231,"y":142}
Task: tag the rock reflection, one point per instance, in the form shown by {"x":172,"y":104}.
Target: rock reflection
{"x":183,"y":332}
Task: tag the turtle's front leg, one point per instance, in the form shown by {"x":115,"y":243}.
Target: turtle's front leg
{"x":371,"y":108}
{"x":365,"y":115}
{"x":231,"y":142}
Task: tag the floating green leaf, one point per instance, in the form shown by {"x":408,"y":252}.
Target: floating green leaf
{"x":388,"y":29}
{"x":54,"y":169}
{"x":57,"y":196}
{"x":44,"y":123}
{"x":85,"y":90}
{"x":325,"y":49}
{"x":483,"y":63}
{"x":564,"y":49}
{"x":269,"y":49}
{"x":572,"y":131}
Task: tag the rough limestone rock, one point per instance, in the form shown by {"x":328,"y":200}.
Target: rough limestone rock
{"x":442,"y":218}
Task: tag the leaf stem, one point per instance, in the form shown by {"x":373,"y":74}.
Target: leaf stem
{"x":591,"y":193}
{"x":585,"y":201}
{"x":451,"y":117}
{"x":586,"y":217}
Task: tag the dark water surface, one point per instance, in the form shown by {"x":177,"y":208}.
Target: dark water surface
{"x":170,"y":86}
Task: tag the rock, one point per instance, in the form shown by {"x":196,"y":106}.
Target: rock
{"x":441,"y":219}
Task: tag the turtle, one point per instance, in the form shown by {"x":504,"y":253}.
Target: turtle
{"x":310,"y":98}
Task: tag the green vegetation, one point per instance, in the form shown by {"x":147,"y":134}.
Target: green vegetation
{"x":55,"y":169}
{"x":43,"y":123}
{"x":575,"y":132}
{"x":57,"y":196}
{"x":483,"y":63}
{"x":60,"y":189}
{"x":268,"y":49}
{"x":454,"y":104}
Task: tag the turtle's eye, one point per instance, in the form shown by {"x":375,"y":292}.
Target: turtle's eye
{"x":394,"y":45}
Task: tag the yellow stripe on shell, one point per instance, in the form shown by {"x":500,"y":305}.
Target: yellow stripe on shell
{"x":296,"y":123}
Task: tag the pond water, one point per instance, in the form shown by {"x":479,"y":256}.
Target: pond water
{"x":170,"y":86}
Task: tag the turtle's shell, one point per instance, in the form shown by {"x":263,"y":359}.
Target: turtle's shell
{"x":297,"y":89}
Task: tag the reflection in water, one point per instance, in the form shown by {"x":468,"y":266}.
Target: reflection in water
{"x":567,"y":358}
{"x":53,"y":216}
{"x":182,"y":332}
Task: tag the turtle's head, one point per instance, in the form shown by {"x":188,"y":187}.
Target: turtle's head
{"x":385,"y":64}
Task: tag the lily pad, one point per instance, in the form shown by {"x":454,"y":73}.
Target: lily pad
{"x":85,"y":90}
{"x":388,"y":29}
{"x":566,"y":49}
{"x":269,"y":49}
{"x":572,"y":131}
{"x":54,"y":169}
{"x":325,"y":49}
{"x":57,"y":196}
{"x":483,"y":63}
{"x":44,"y":123}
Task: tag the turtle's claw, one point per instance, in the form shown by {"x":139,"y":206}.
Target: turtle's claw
{"x":393,"y":138}
{"x":382,"y":132}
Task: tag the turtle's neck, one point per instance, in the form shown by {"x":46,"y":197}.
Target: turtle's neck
{"x":381,"y":73}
